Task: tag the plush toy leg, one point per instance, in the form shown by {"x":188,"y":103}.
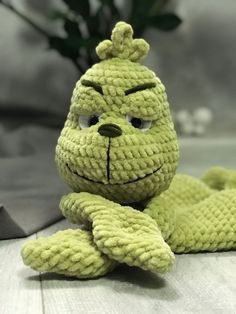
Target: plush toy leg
{"x":193,"y":216}
{"x":184,"y":192}
{"x":207,"y":226}
{"x":69,"y":252}
{"x":122,"y":233}
{"x":220,"y":178}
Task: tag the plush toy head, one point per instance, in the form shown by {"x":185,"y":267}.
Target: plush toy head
{"x":118,"y":140}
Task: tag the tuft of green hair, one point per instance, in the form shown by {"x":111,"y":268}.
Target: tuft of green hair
{"x":122,"y":45}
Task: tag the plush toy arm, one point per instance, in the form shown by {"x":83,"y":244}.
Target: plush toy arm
{"x":68,"y":252}
{"x":121,"y":232}
{"x":70,"y":208}
{"x":183,"y":192}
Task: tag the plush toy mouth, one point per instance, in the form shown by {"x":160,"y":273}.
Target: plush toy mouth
{"x":135,"y":180}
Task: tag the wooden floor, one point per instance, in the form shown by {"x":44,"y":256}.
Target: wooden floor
{"x":199,"y":283}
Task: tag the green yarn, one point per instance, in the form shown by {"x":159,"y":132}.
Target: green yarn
{"x":122,"y":45}
{"x":135,"y":154}
{"x":68,"y":252}
{"x":118,"y":151}
{"x":121,"y":232}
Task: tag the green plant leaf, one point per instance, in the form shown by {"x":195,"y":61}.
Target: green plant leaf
{"x":95,"y":24}
{"x":70,"y":46}
{"x":165,"y":22}
{"x":102,"y":21}
{"x":144,"y":8}
{"x":72,"y":28}
{"x":87,"y":43}
{"x":140,"y":14}
{"x":159,"y":6}
{"x":112,"y":7}
{"x":55,"y":14}
{"x":81,"y":7}
{"x":64,"y":47}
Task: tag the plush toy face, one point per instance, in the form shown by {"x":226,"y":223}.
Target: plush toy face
{"x":118,"y":140}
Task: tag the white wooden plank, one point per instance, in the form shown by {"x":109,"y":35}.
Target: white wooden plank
{"x":20,"y":290}
{"x":198,"y":284}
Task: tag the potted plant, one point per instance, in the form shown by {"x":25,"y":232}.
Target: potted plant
{"x":85,"y":26}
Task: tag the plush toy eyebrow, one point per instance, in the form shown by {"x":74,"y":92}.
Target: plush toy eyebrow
{"x":94,"y":85}
{"x":139,"y":88}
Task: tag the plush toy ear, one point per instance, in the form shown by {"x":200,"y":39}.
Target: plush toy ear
{"x":139,"y":49}
{"x":122,"y":45}
{"x":104,"y":50}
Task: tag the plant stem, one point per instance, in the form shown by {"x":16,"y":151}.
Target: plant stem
{"x":25,"y":18}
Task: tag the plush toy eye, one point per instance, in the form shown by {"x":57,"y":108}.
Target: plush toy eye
{"x":139,"y":123}
{"x":85,"y":121}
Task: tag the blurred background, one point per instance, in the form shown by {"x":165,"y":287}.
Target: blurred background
{"x":195,"y":58}
{"x":46,"y":45}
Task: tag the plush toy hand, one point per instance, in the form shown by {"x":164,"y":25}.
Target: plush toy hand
{"x":68,"y":252}
{"x":121,"y":232}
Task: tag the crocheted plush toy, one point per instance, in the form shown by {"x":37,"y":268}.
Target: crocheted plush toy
{"x":118,"y":152}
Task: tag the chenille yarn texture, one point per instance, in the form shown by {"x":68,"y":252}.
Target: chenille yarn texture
{"x":118,"y":152}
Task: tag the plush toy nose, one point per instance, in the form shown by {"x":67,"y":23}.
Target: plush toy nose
{"x":109,"y":130}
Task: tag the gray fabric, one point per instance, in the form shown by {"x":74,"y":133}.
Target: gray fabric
{"x":8,"y":227}
{"x":30,"y":188}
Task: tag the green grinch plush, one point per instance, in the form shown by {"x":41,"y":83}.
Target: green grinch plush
{"x":118,"y":152}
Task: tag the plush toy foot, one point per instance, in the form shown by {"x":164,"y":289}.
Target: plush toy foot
{"x":220,"y":178}
{"x":69,"y":252}
{"x":209,"y":225}
{"x":122,"y":233}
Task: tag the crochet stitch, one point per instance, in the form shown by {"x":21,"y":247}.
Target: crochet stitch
{"x":118,"y":152}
